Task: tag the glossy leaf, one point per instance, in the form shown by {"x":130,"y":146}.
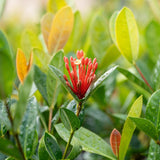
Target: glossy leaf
{"x":115,"y":139}
{"x":152,"y":37}
{"x":89,"y":141}
{"x":98,"y":82}
{"x":23,"y":95}
{"x":154,"y":151}
{"x":46,"y":24}
{"x":72,"y":106}
{"x":129,"y":127}
{"x":127,"y":36}
{"x":53,"y":84}
{"x":99,"y":35}
{"x":6,"y":67}
{"x":42,"y":152}
{"x":28,"y":134}
{"x":8,"y":148}
{"x":112,"y":26}
{"x":40,"y":79}
{"x":111,"y":56}
{"x":59,"y":74}
{"x":153,"y":110}
{"x":22,"y":66}
{"x":4,"y":121}
{"x":146,"y":126}
{"x":60,"y":30}
{"x":2,"y":6}
{"x":156,"y":75}
{"x":55,"y":5}
{"x":76,"y":150}
{"x":134,"y":79}
{"x":69,"y":119}
{"x":52,"y":146}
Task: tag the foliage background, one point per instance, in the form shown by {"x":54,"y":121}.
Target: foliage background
{"x":109,"y":105}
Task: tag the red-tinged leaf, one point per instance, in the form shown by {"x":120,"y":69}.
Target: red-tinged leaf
{"x":115,"y":139}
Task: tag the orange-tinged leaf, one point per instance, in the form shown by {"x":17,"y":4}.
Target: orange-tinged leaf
{"x":46,"y":24}
{"x":115,"y":139}
{"x":21,"y":64}
{"x":30,"y":61}
{"x":61,"y":29}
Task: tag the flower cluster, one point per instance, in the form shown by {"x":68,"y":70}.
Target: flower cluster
{"x":82,"y":73}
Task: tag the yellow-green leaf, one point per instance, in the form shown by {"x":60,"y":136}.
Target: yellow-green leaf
{"x":111,"y":55}
{"x":54,"y":5}
{"x":30,"y":40}
{"x":46,"y":24}
{"x":127,"y":36}
{"x":129,"y":127}
{"x":60,"y":30}
{"x":112,"y":22}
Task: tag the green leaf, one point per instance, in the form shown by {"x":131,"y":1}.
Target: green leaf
{"x":6,"y":67}
{"x":40,"y":79}
{"x":72,"y":106}
{"x":99,"y":35}
{"x":129,"y":127}
{"x":54,"y":5}
{"x":28,"y":134}
{"x":152,"y":37}
{"x":111,"y":56}
{"x":134,"y":79}
{"x":52,"y":146}
{"x":120,"y":116}
{"x":42,"y":152}
{"x":89,"y":141}
{"x":41,"y":59}
{"x":76,"y":150}
{"x":98,"y":82}
{"x":8,"y":148}
{"x":146,"y":126}
{"x":2,"y":6}
{"x":154,"y":151}
{"x":53,"y":84}
{"x":112,"y":26}
{"x":69,"y":119}
{"x":156,"y":75}
{"x":4,"y":121}
{"x":23,"y":95}
{"x":59,"y":74}
{"x":127,"y":36}
{"x":30,"y":40}
{"x":153,"y":110}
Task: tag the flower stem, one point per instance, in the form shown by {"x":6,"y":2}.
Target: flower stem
{"x":79,"y":107}
{"x":14,"y":134}
{"x":68,"y":143}
{"x":141,"y":74}
{"x":50,"y":118}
